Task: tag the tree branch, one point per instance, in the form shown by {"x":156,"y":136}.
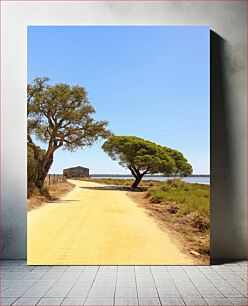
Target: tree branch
{"x":135,"y":172}
{"x":34,"y":148}
{"x":145,"y":172}
{"x":132,"y":171}
{"x":65,"y":125}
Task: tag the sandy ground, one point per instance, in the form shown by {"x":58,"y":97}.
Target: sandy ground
{"x":97,"y":224}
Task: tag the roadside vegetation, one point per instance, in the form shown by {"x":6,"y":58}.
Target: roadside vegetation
{"x":50,"y":193}
{"x":38,"y":196}
{"x":183,"y":208}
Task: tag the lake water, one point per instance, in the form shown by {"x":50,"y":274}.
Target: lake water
{"x":194,"y":179}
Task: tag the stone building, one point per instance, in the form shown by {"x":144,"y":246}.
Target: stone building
{"x":76,"y":172}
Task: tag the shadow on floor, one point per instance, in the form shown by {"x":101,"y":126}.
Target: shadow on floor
{"x":115,"y":188}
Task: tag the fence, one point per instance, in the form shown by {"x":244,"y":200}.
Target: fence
{"x":55,"y":178}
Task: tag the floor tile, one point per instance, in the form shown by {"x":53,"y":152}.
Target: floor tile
{"x":58,"y":291}
{"x":217,"y":301}
{"x":121,"y":301}
{"x":149,"y":302}
{"x":147,"y":292}
{"x":99,"y":301}
{"x":75,"y":269}
{"x":164,"y":292}
{"x":79,"y":291}
{"x":26,"y":301}
{"x":126,"y":292}
{"x":39,"y":289}
{"x":125,"y":269}
{"x":126,"y":283}
{"x":7,"y":301}
{"x":166,"y":301}
{"x":238,"y":301}
{"x":50,"y":301}
{"x":73,"y":301}
{"x":102,"y":292}
{"x":194,"y":301}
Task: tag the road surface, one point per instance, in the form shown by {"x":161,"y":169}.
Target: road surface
{"x":96,"y":224}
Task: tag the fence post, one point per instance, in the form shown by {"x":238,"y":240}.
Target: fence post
{"x":49,"y":179}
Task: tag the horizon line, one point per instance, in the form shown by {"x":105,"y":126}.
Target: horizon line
{"x":149,"y":175}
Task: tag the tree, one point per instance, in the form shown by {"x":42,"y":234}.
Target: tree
{"x":33,"y":169}
{"x":60,"y":116}
{"x":145,"y":157}
{"x":33,"y":165}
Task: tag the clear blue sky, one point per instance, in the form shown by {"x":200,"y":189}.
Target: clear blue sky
{"x":148,"y":81}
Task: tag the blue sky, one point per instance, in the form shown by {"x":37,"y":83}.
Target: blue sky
{"x":149,"y":81}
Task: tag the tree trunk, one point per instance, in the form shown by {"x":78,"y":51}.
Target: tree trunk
{"x":138,"y":176}
{"x":137,"y":181}
{"x":43,"y":171}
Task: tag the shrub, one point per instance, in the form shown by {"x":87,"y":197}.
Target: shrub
{"x":204,"y":249}
{"x":172,"y":208}
{"x":33,"y":168}
{"x":32,"y":190}
{"x":200,"y":222}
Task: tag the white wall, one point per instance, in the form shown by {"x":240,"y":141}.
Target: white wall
{"x":228,"y":104}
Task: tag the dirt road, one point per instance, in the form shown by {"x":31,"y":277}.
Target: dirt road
{"x":96,"y":224}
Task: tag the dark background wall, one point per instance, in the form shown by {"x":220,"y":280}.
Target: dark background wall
{"x":227,"y":20}
{"x":228,"y":187}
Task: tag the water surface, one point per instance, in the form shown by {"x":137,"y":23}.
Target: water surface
{"x":191,"y":179}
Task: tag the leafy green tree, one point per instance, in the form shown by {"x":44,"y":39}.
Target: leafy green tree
{"x":33,"y":166}
{"x":61,"y":116}
{"x":183,"y":168}
{"x":145,"y":157}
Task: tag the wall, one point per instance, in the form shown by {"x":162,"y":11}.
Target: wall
{"x":227,"y":20}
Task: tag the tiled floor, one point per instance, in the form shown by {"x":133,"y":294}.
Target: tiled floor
{"x":123,"y":285}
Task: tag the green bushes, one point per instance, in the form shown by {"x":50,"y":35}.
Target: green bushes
{"x":32,"y":167}
{"x":192,"y":201}
{"x":33,"y":171}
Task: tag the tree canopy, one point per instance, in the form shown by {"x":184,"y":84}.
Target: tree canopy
{"x":142,"y":157}
{"x":60,"y":115}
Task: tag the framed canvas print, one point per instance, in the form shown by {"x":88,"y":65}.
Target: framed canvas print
{"x":118,"y":145}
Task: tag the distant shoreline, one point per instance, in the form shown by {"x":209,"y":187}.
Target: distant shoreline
{"x":160,"y":175}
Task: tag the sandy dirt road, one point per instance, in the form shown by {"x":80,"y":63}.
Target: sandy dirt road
{"x":95,"y":224}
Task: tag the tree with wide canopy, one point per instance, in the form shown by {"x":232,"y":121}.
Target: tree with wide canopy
{"x":143,"y":157}
{"x":60,"y":116}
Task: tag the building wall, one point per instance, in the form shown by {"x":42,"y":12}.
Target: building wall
{"x":227,"y":19}
{"x":77,"y":172}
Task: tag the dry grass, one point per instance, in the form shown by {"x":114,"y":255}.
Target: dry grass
{"x":50,"y":193}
